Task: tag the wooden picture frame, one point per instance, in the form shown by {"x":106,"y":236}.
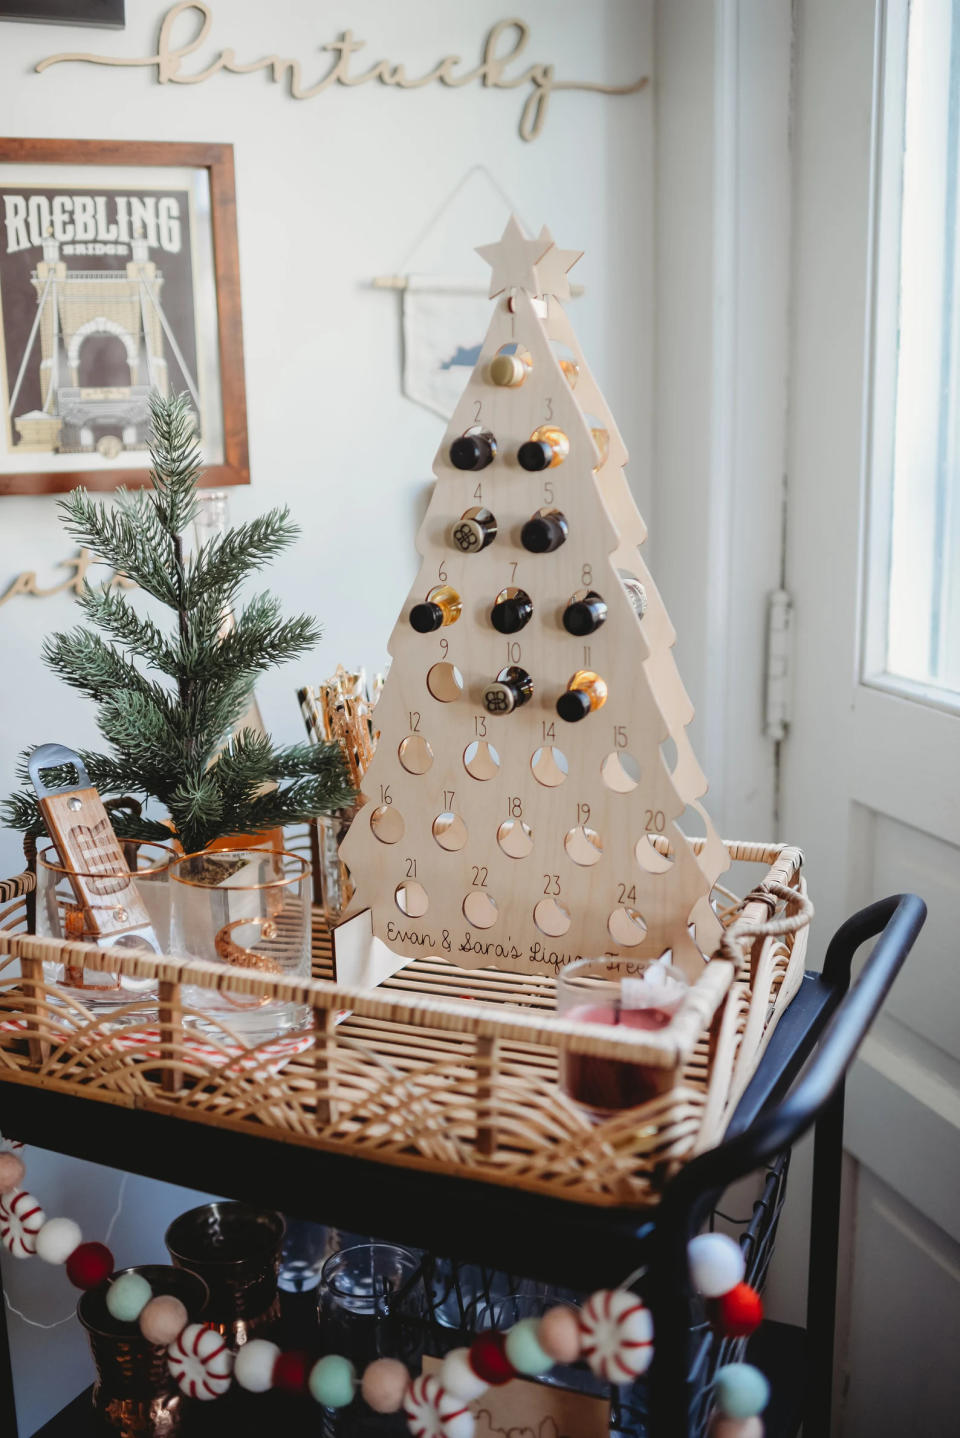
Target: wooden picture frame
{"x":159,"y":220}
{"x":103,"y":14}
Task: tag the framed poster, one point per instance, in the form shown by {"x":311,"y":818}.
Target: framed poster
{"x":106,"y":13}
{"x":118,"y":277}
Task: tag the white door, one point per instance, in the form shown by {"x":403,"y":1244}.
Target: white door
{"x":870,"y":776}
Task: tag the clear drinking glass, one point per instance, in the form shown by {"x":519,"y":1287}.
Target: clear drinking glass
{"x":248,"y":910}
{"x":306,"y":1248}
{"x":86,"y":906}
{"x":372,"y":1303}
{"x":629,"y":993}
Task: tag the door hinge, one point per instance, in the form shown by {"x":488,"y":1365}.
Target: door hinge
{"x":777,"y":683}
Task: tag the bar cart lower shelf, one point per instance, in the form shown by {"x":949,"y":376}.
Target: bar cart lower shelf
{"x":573,"y":1245}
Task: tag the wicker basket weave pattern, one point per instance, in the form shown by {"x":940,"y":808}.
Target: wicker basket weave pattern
{"x":440,"y":1068}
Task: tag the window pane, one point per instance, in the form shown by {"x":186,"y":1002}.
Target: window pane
{"x":923,"y":595}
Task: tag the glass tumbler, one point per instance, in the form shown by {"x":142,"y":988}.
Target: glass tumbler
{"x":628,"y":993}
{"x":372,"y":1303}
{"x":81,"y":904}
{"x":134,"y":1394}
{"x":235,"y":1249}
{"x":247,"y":910}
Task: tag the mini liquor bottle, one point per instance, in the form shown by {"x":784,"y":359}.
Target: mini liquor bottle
{"x":546,"y":447}
{"x":544,"y":532}
{"x":473,"y":531}
{"x":511,"y":688}
{"x":571,"y":371}
{"x":585,"y":692}
{"x":473,"y":451}
{"x":583,"y":616}
{"x":510,"y":613}
{"x":508,"y":370}
{"x":442,"y":606}
{"x":635,"y":593}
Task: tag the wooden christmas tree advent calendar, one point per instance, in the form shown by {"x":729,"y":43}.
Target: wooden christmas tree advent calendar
{"x":521,"y":808}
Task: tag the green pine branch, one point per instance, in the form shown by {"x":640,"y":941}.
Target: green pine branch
{"x":172,"y":741}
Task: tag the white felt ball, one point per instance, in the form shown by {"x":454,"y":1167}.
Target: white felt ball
{"x":255,"y":1363}
{"x":57,"y":1239}
{"x":458,"y":1378}
{"x":716,"y":1264}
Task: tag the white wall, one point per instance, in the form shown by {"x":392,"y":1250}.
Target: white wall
{"x":330,"y":192}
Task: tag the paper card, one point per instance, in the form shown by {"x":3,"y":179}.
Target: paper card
{"x":521,"y":1409}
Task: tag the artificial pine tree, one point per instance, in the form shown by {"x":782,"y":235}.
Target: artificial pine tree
{"x":170,"y":729}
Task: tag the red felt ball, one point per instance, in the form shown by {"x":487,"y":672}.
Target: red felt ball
{"x":737,"y":1313}
{"x":290,"y":1372}
{"x":489,"y":1361}
{"x":89,"y":1265}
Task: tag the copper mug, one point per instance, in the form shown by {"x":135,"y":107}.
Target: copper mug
{"x":134,"y":1393}
{"x":235,"y":1249}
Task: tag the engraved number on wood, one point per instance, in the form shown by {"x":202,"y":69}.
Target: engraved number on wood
{"x":551,"y":884}
{"x":625,"y":895}
{"x":549,"y":404}
{"x":444,"y":647}
{"x":586,"y":656}
{"x":514,"y":806}
{"x":478,"y":492}
{"x":620,"y":736}
{"x":385,"y":796}
{"x":548,"y":491}
{"x":513,"y":652}
{"x":513,"y":570}
{"x":547,"y":731}
{"x":414,"y":716}
{"x":583,"y":813}
{"x":655,"y":821}
{"x":448,"y":797}
{"x":480,"y":725}
{"x":478,"y":404}
{"x":586,"y":574}
{"x":442,"y":572}
{"x":479,"y":880}
{"x":411,"y":868}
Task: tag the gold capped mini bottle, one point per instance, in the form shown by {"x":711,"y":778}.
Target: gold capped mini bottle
{"x":509,"y":371}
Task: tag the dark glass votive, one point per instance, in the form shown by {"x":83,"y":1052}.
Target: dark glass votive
{"x":134,"y":1393}
{"x":235,"y":1249}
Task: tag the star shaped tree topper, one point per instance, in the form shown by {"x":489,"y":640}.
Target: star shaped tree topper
{"x":513,"y":260}
{"x":554,"y":265}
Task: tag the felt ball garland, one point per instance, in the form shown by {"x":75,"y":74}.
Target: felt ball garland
{"x":613,"y":1332}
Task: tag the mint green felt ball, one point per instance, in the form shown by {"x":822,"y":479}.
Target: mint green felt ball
{"x":128,"y":1296}
{"x":333,"y":1381}
{"x":741,"y":1390}
{"x":523,"y":1348}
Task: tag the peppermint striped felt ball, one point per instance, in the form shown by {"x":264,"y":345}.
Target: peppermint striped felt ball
{"x":21,"y":1219}
{"x":617,"y":1332}
{"x":200,"y":1362}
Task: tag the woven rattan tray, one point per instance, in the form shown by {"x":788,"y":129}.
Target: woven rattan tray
{"x":440,"y":1068}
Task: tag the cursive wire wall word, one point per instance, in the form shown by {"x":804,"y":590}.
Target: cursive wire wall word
{"x":491,"y":72}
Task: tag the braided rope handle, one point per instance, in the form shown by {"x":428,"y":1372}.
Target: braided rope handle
{"x":732,"y":945}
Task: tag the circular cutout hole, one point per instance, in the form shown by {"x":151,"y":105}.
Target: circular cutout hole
{"x":515,"y":838}
{"x":583,"y":846}
{"x":551,"y":918}
{"x":387,"y":824}
{"x":450,"y":831}
{"x":549,"y":766}
{"x":650,"y":858}
{"x":626,"y":927}
{"x":445,"y":682}
{"x":415,"y":753}
{"x":479,"y":909}
{"x":620,"y":772}
{"x":411,"y":899}
{"x":481,"y":760}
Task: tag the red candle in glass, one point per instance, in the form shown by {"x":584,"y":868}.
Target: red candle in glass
{"x":607,"y":1085}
